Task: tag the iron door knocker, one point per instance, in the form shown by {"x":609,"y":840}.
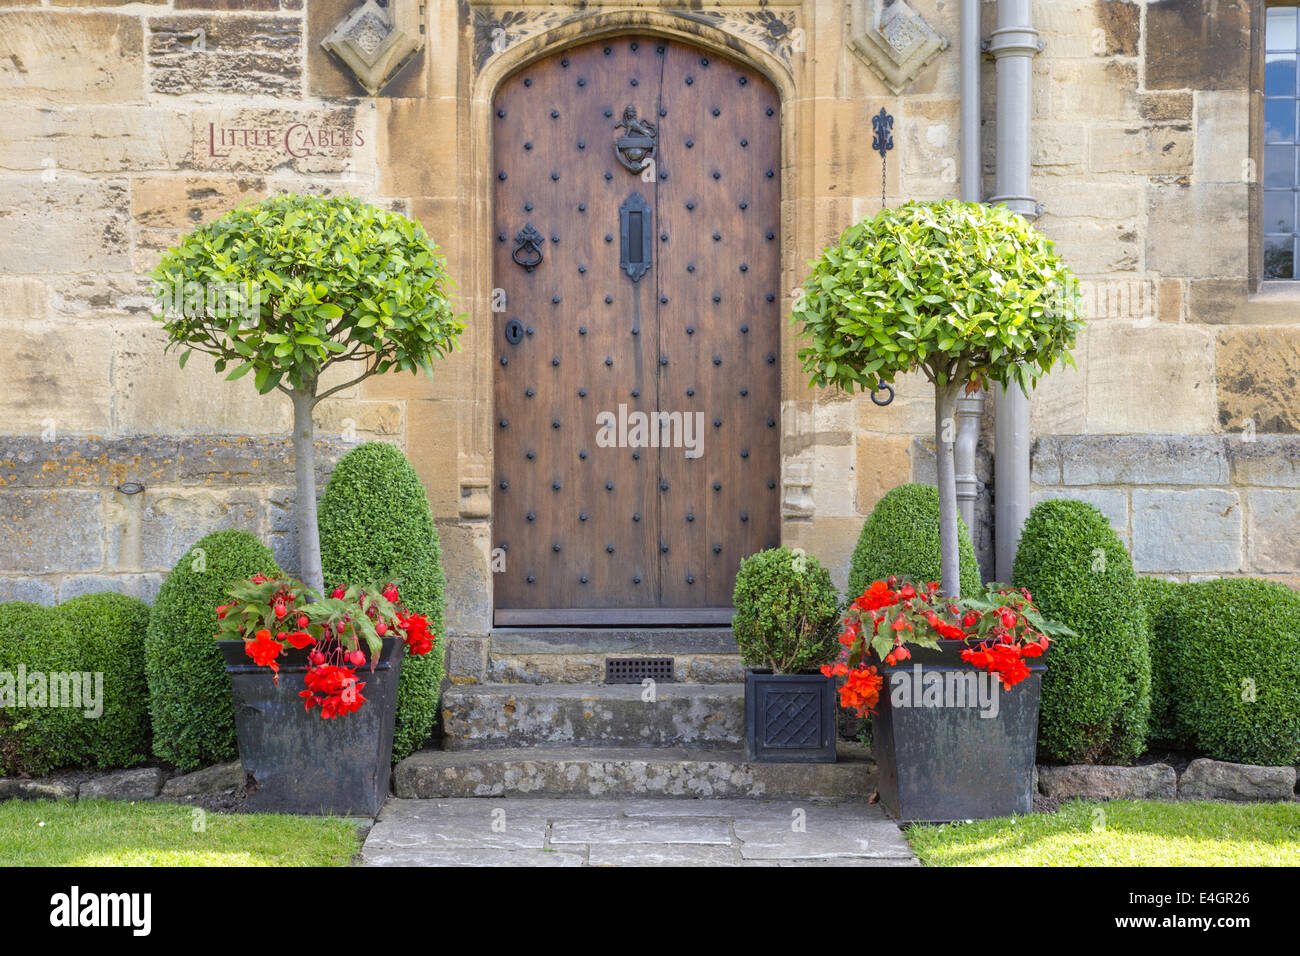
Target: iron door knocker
{"x":528,"y":247}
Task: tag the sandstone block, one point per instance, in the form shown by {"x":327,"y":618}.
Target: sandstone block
{"x":1257,"y":370}
{"x":1197,"y":45}
{"x":1273,"y":517}
{"x":1150,"y":150}
{"x":246,"y":55}
{"x":142,"y":784}
{"x":336,"y":139}
{"x":1186,"y":531}
{"x":1206,"y":779}
{"x":1214,"y":247}
{"x":73,"y":57}
{"x":69,"y":225}
{"x":95,"y":139}
{"x":1143,"y":460}
{"x":1149,"y":782}
{"x":1157,"y":379}
{"x":43,"y":531}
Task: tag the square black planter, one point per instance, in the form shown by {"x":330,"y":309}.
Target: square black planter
{"x":954,"y":760}
{"x":789,"y":718}
{"x":297,"y":762}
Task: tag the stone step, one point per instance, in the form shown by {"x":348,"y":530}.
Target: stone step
{"x":483,"y":716}
{"x":657,"y":641}
{"x":577,"y":654}
{"x":629,"y":771}
{"x":590,"y":668}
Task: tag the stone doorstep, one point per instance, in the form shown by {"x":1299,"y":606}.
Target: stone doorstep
{"x":540,"y":655}
{"x":572,"y":831}
{"x":590,"y":668}
{"x":629,"y":771}
{"x":479,"y":716}
{"x":605,"y":641}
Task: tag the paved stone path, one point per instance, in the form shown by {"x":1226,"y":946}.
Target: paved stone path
{"x":533,"y":831}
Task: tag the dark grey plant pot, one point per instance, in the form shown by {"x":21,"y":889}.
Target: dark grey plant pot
{"x":295,"y":761}
{"x":789,"y":718}
{"x":942,"y":763}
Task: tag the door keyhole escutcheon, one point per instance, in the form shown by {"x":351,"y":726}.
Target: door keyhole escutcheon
{"x":514,"y":331}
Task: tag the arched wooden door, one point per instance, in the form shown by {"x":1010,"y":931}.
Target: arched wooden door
{"x":637,"y":390}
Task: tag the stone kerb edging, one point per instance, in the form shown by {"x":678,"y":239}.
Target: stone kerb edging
{"x":1204,"y":779}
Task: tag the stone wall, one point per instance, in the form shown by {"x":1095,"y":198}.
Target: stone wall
{"x":1188,"y":507}
{"x":79,"y":515}
{"x":128,"y":124}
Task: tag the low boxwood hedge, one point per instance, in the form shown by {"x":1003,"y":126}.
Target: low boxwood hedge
{"x":376,"y":526}
{"x":1155,"y":595}
{"x":103,"y":723}
{"x":189,"y":693}
{"x":1096,"y":694}
{"x":1230,"y":656}
{"x":901,"y":537}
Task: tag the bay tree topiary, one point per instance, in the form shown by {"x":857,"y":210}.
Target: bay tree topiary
{"x":189,"y":692}
{"x":787,"y":612}
{"x":1096,"y":693}
{"x":376,"y":527}
{"x":964,"y":293}
{"x":901,"y":538}
{"x":293,"y":287}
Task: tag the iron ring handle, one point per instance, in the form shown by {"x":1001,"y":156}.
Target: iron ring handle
{"x":529,"y":242}
{"x":883,"y":388}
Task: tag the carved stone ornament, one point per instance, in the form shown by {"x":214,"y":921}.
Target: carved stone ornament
{"x":892,"y":39}
{"x":374,"y":43}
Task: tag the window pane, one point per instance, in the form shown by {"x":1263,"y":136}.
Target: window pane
{"x":1279,"y":75}
{"x":1279,"y":167}
{"x":1279,"y":121}
{"x":1278,"y":258}
{"x":1279,"y":211}
{"x":1281,"y":32}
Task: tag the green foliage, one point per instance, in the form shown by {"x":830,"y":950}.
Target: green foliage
{"x":110,"y":632}
{"x":95,"y":634}
{"x":1157,"y":595}
{"x":787,"y":612}
{"x":376,"y":526}
{"x":963,"y":291}
{"x":283,"y":287}
{"x":1096,"y":696}
{"x":1231,"y":660}
{"x":901,"y":537}
{"x":193,"y":721}
{"x":35,"y":740}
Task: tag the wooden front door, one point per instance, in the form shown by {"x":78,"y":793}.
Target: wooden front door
{"x":635,"y":333}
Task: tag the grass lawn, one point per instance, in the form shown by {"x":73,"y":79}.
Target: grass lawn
{"x":106,"y":833}
{"x":1121,"y":833}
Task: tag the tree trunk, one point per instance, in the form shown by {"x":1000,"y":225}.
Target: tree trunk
{"x":945,"y":428}
{"x":304,"y":452}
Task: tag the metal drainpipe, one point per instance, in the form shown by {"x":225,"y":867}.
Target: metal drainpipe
{"x":970,"y":408}
{"x":1013,"y":44}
